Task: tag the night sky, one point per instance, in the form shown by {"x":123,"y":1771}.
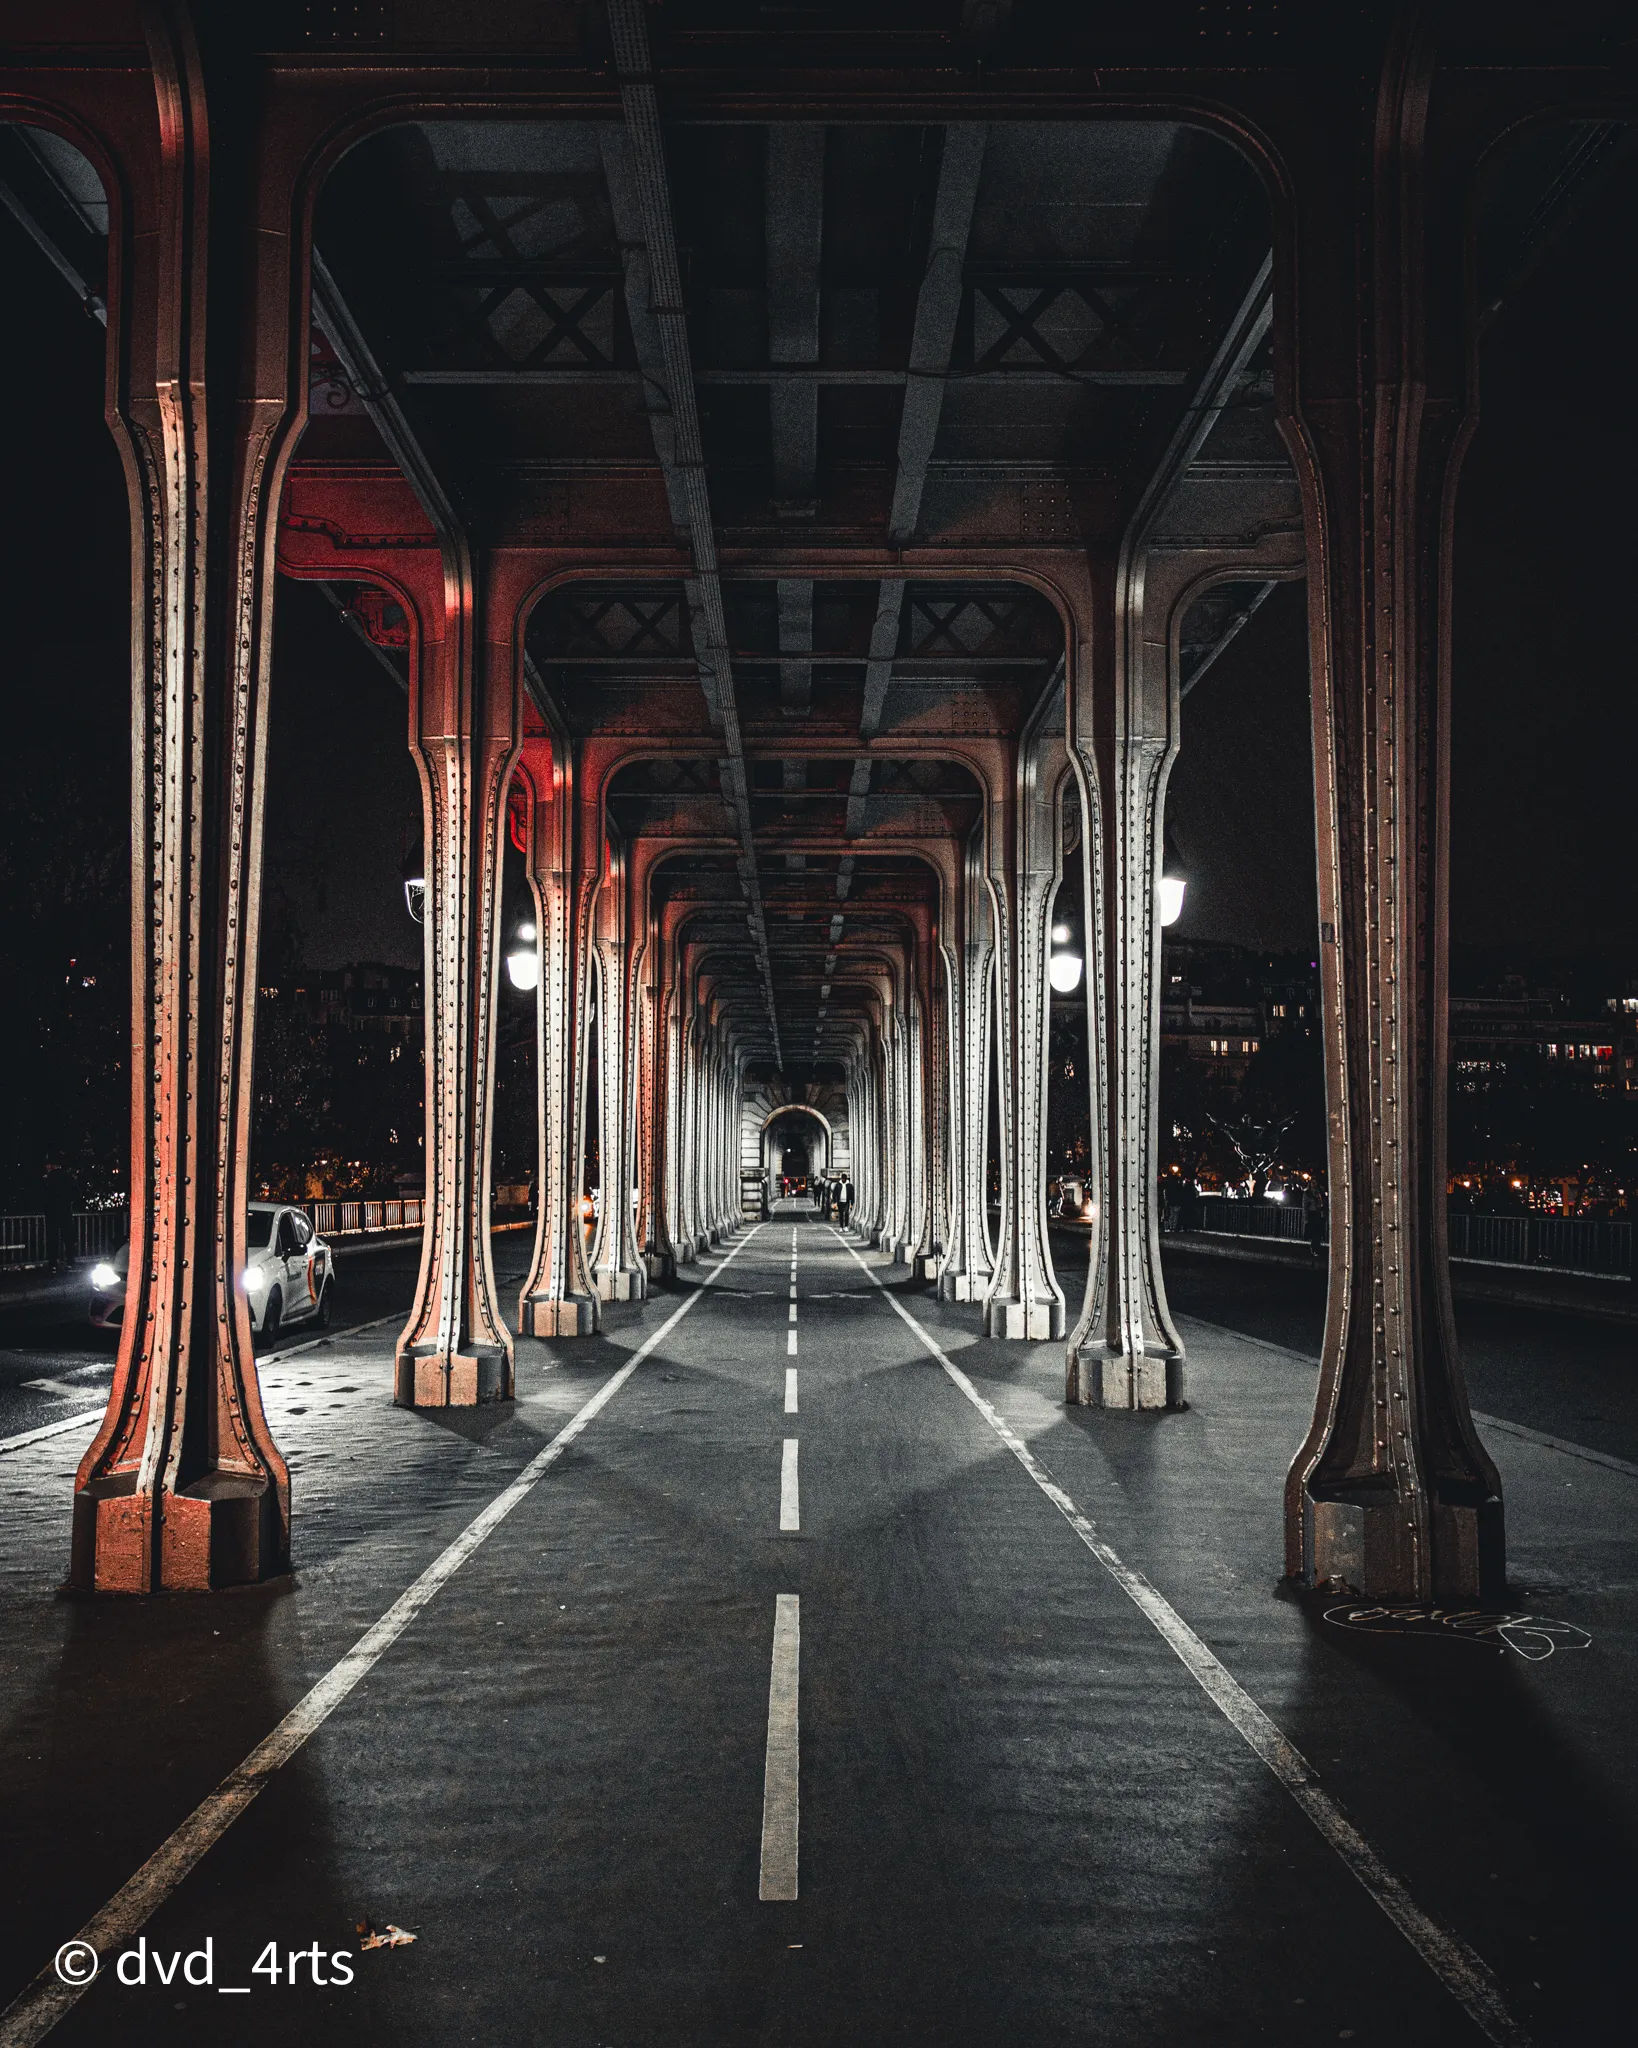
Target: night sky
{"x":1546,"y":711}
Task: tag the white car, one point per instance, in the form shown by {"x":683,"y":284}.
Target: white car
{"x":289,"y":1274}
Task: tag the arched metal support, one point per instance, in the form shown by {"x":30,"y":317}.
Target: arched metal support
{"x":1025,"y":1300}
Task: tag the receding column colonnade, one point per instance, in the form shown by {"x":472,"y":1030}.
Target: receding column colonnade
{"x":924,"y":977}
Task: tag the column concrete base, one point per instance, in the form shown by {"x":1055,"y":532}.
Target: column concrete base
{"x":541,"y":1316}
{"x":1361,"y":1542}
{"x":224,"y":1530}
{"x":1030,"y":1321}
{"x":1130,"y":1381}
{"x":660,"y":1265}
{"x":964,"y":1286}
{"x":927,"y":1265}
{"x":629,"y":1284}
{"x":445,"y":1379}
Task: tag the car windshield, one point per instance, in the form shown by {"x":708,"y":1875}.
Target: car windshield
{"x":259,"y":1229}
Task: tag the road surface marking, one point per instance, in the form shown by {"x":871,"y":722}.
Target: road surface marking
{"x":790,"y":1514}
{"x":781,"y":1812}
{"x":790,"y":1390}
{"x":790,"y":1343}
{"x":793,"y":1290}
{"x":793,"y":1308}
{"x":1462,"y":1971}
{"x":34,"y":1436}
{"x":42,"y":2003}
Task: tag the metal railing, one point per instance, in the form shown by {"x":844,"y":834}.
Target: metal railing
{"x":22,"y":1242}
{"x":1567,"y":1244}
{"x":359,"y":1219}
{"x":99,"y":1233}
{"x":25,"y":1243}
{"x":1584,"y":1245}
{"x":1252,"y":1219}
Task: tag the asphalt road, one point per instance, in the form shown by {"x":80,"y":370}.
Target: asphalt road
{"x":1007,"y":1808}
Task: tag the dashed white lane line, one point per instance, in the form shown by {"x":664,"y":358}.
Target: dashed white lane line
{"x":790,"y":1507}
{"x":790,"y":1343}
{"x":790,"y":1390}
{"x":1462,"y":1971}
{"x":781,"y":1811}
{"x":46,"y":2000}
{"x":793,"y":1309}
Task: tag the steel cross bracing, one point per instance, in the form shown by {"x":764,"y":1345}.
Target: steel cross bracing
{"x":920,"y":351}
{"x":654,"y":290}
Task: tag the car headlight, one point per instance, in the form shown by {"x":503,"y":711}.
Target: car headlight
{"x":255,"y":1279}
{"x":104,"y":1276}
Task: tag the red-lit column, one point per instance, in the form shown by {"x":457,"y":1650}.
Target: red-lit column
{"x":465,"y":730}
{"x":182,"y":1486}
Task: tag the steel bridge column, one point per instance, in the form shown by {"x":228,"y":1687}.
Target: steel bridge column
{"x":919,"y":1249}
{"x":968,"y":1272}
{"x":559,"y":1297}
{"x":620,"y":1272}
{"x":1124,"y":1351}
{"x":1392,"y":1494}
{"x":938,"y":1120}
{"x":182,"y":1486}
{"x":1025,"y":1300}
{"x":688,"y":1243}
{"x":456,"y":1350}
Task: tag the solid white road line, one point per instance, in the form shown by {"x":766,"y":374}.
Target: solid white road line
{"x":781,"y":1811}
{"x":790,"y":1390}
{"x":1607,"y":1459}
{"x":790,"y":1343}
{"x":1463,"y":1972}
{"x":790,"y":1511}
{"x":38,"y":2008}
{"x":77,"y":1420}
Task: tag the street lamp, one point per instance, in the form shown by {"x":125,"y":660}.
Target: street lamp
{"x":413,"y":870}
{"x":1064,"y":968}
{"x":1173,"y":882}
{"x":523,"y":962}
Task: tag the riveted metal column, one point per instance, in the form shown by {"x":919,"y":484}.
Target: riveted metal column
{"x":183,"y":1486}
{"x":559,"y":1297}
{"x":1392,"y":1494}
{"x":1025,"y":1300}
{"x":935,"y":1087}
{"x":919,"y":1223}
{"x":456,"y":1350}
{"x":654,"y":1067}
{"x":968,"y":1271}
{"x":1124,"y":1351}
{"x":620,"y":1273}
{"x":893,"y":1101}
